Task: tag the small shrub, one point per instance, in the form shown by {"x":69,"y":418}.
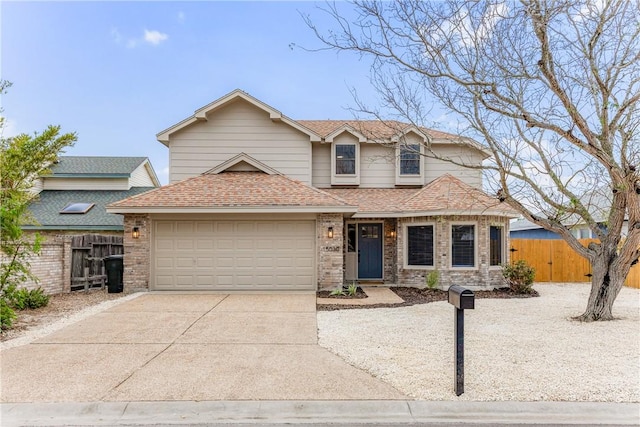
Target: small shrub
{"x":23,"y":299}
{"x":352,"y":290}
{"x":7,"y":315}
{"x":337,"y":292}
{"x":519,"y":276}
{"x":432,"y":279}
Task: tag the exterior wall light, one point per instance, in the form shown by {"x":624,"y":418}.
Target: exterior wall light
{"x":330,"y":232}
{"x":135,"y":232}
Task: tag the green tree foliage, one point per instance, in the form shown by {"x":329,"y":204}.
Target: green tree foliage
{"x":23,"y":158}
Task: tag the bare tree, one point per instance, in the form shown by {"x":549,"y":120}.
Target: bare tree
{"x":550,"y":87}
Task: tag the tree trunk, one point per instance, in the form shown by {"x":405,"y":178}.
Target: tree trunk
{"x":608,"y":278}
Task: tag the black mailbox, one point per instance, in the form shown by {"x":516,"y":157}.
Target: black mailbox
{"x":461,"y":298}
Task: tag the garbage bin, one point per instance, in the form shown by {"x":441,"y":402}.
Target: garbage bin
{"x":115,"y":269}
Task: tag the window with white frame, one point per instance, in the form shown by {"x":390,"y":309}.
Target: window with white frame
{"x":463,"y":245}
{"x":420,"y":245}
{"x":345,"y":159}
{"x":496,"y":245}
{"x":410,"y":159}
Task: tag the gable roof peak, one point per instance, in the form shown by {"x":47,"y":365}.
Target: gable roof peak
{"x":201,"y":114}
{"x":240,"y":158}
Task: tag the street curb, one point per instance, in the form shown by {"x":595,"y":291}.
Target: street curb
{"x":307,"y":412}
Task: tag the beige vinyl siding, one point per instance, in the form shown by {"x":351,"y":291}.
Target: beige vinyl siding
{"x":86,"y":184}
{"x":435,"y":168}
{"x":239,"y":128}
{"x":321,"y":165}
{"x":377,"y":166}
{"x":140,"y":177}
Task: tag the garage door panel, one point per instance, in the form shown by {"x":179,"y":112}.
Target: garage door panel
{"x":223,"y":244}
{"x":234,"y":255}
{"x":185,"y":227}
{"x":182,"y":262}
{"x":204,"y":227}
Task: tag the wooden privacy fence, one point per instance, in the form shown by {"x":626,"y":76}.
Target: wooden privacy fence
{"x":87,"y":255}
{"x":555,"y":261}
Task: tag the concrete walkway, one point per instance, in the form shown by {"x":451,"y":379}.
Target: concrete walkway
{"x":161,"y":347}
{"x":375,"y":295}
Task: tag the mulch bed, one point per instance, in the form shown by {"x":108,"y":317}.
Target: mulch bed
{"x":327,"y":294}
{"x":413,"y":296}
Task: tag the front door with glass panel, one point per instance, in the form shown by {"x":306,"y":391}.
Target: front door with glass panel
{"x":364,"y":241}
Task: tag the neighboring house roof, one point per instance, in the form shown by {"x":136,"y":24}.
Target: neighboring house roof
{"x":96,"y":166}
{"x":234,"y":192}
{"x":445,"y":195}
{"x":99,"y":167}
{"x":46,"y":209}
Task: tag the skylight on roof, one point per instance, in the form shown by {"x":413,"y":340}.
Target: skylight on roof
{"x":77,"y":208}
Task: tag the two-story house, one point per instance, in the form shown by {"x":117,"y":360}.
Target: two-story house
{"x":259,"y":201}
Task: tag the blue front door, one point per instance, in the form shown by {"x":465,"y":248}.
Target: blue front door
{"x":369,"y":251}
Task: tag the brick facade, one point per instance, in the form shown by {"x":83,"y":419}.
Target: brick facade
{"x":137,"y":256}
{"x":330,"y":250}
{"x":483,"y":276}
{"x":52,"y":266}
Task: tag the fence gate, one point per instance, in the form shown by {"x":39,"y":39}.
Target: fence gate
{"x":87,"y":259}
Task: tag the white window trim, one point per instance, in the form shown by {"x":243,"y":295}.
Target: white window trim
{"x":344,"y":179}
{"x":417,"y":179}
{"x":475,"y":245}
{"x":405,"y":261}
{"x":504,"y":246}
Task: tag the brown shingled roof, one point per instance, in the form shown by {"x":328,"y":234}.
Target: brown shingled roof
{"x":233,"y":189}
{"x":374,"y":129}
{"x":445,"y":194}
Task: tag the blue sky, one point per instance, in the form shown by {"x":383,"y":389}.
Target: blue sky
{"x":117,"y":73}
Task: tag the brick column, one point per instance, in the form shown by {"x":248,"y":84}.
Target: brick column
{"x":330,"y":256}
{"x":67,"y":259}
{"x":137,"y":255}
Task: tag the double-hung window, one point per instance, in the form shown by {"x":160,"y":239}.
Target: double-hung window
{"x":410,"y":159}
{"x":463,"y":245}
{"x":409,"y":163}
{"x":420,"y":245}
{"x":346,"y":159}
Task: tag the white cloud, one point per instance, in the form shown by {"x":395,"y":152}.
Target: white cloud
{"x":154,"y":37}
{"x":181,"y":17}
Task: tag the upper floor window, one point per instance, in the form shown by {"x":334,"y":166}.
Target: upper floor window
{"x":345,"y":162}
{"x":410,"y":159}
{"x":463,"y":245}
{"x":345,"y":159}
{"x":496,"y":243}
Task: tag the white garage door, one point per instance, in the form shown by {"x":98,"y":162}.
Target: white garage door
{"x":233,"y":255}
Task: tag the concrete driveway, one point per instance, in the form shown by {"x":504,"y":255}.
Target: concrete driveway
{"x":160,"y":347}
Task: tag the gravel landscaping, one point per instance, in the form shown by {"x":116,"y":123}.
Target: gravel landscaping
{"x":515,"y":349}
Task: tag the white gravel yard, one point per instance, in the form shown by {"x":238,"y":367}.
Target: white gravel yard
{"x":515,"y":349}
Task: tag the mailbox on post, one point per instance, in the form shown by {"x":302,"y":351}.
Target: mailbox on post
{"x":462,"y":299}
